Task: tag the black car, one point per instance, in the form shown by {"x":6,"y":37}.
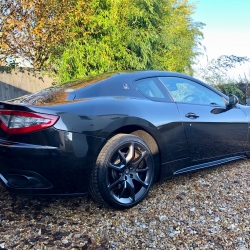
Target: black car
{"x":113,"y":135}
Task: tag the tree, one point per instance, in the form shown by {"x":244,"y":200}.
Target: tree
{"x":216,"y":74}
{"x":216,"y":71}
{"x":30,"y":29}
{"x":77,"y":38}
{"x":129,"y":35}
{"x":232,"y":88}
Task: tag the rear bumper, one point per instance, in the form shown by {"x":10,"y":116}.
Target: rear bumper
{"x":31,"y":169}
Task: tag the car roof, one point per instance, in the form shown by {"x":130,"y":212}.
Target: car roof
{"x":129,"y":75}
{"x":107,"y":84}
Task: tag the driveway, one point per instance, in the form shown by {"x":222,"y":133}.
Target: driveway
{"x":209,"y":209}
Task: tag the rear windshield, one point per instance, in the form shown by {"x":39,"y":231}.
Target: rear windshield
{"x":86,"y":81}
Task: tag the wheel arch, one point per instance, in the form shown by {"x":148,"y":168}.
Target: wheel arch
{"x":150,"y":138}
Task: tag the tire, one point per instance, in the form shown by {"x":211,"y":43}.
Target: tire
{"x":123,"y":173}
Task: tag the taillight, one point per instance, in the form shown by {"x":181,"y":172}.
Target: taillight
{"x":19,"y":122}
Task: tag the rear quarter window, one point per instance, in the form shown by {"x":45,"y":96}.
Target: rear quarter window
{"x":151,"y":89}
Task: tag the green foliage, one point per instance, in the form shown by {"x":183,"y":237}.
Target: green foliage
{"x":231,"y":88}
{"x":129,"y":35}
{"x":216,"y":71}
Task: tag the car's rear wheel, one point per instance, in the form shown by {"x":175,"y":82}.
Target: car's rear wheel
{"x":123,"y":172}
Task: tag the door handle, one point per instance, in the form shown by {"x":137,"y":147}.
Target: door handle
{"x":192,"y":115}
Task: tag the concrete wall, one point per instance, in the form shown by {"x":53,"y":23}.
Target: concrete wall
{"x":21,"y":81}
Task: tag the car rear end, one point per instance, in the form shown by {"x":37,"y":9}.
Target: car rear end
{"x":38,"y":159}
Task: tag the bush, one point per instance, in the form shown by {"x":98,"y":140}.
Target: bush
{"x":231,"y":88}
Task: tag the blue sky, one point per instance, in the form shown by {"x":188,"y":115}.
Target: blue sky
{"x":227,"y":30}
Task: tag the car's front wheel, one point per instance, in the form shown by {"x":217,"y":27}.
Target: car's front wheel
{"x":123,"y":172}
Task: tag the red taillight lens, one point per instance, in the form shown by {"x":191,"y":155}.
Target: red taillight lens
{"x":19,"y":122}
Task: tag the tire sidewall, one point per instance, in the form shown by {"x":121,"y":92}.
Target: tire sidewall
{"x":102,"y":164}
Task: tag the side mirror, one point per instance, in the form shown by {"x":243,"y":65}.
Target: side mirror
{"x":232,"y":101}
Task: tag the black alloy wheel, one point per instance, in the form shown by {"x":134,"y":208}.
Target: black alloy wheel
{"x":123,"y":173}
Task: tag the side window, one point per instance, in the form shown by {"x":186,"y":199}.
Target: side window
{"x":183,"y":90}
{"x":149,"y":88}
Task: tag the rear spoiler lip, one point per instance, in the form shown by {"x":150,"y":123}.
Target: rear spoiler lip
{"x":6,"y":105}
{"x":26,"y":107}
{"x":16,"y":99}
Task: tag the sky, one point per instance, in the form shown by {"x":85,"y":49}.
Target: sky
{"x":227,"y":30}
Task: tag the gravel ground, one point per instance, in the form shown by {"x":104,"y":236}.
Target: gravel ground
{"x":209,"y":209}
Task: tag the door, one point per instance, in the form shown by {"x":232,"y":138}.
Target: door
{"x":212,"y":129}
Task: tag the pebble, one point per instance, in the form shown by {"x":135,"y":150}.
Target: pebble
{"x":210,"y":206}
{"x":65,"y":241}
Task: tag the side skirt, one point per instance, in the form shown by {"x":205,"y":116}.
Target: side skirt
{"x":209,"y":164}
